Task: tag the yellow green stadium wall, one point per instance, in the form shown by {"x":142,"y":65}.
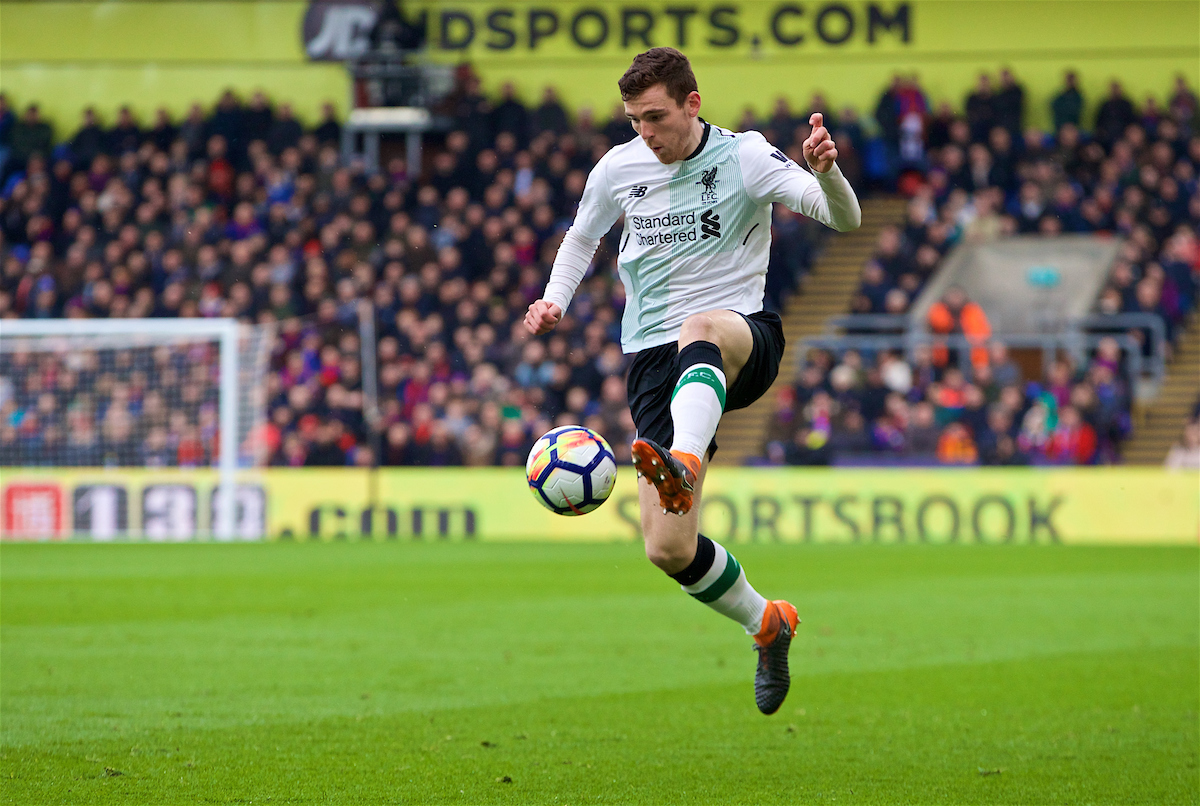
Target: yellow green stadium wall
{"x":66,"y":55}
{"x":1069,"y":505}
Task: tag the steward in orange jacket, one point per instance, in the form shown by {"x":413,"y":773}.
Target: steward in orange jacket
{"x":955,"y":314}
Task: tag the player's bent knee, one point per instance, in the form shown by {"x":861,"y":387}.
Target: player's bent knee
{"x":699,"y":327}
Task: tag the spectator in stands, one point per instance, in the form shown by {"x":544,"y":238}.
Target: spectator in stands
{"x":90,"y":141}
{"x":1003,"y":370}
{"x":850,"y":435}
{"x":1184,"y":104}
{"x":163,"y":133}
{"x":30,"y":135}
{"x":1185,"y":454}
{"x":1114,"y":114}
{"x":1067,"y":106}
{"x":955,"y":314}
{"x":887,"y":112}
{"x":125,"y":135}
{"x":329,"y":130}
{"x":8,"y":120}
{"x":285,"y":131}
{"x":510,"y":115}
{"x":618,"y":130}
{"x":1073,"y":441}
{"x":922,"y":434}
{"x":792,"y":236}
{"x":550,"y":116}
{"x":981,"y":109}
{"x":956,"y":447}
{"x":1009,"y":104}
{"x":912,"y":110}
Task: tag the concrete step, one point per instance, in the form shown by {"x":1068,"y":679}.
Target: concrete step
{"x":1161,"y":422}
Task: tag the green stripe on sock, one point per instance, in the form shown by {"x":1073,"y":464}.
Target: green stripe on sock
{"x":702,"y":375}
{"x":724,"y":582}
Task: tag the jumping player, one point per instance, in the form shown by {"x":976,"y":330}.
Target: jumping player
{"x":693,"y":258}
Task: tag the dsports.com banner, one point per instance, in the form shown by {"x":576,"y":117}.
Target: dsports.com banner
{"x":67,"y":54}
{"x":1072,"y":506}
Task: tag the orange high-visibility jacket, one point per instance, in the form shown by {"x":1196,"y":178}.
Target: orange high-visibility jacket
{"x":971,"y":321}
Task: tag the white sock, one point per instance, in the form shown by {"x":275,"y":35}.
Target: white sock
{"x":723,"y":586}
{"x":698,"y":400}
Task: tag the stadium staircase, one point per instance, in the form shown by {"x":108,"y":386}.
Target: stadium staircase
{"x":824,"y":293}
{"x":1159,"y":425}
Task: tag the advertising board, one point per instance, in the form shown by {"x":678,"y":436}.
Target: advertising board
{"x":1068,"y":505}
{"x":68,"y":54}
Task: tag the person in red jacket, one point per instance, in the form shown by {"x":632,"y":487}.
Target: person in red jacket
{"x":1073,"y":440}
{"x":955,"y":314}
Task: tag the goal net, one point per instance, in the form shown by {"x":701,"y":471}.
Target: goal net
{"x":155,"y":422}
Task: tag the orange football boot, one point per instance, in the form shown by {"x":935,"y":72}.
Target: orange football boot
{"x":673,"y":473}
{"x":772,"y":680}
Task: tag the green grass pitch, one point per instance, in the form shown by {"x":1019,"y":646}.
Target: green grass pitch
{"x":476,"y":673}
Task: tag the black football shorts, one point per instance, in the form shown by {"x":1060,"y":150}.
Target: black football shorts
{"x":655,"y":371}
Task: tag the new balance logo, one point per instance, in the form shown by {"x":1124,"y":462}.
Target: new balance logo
{"x":710,"y":224}
{"x":777,"y":154}
{"x":637,"y":191}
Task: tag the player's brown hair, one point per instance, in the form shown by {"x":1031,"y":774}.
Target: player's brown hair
{"x":665,"y":66}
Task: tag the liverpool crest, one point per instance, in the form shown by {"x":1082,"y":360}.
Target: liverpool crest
{"x":709,"y":180}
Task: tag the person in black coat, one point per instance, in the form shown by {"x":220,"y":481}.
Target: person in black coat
{"x":1067,"y":106}
{"x":285,"y":131}
{"x":1009,"y":104}
{"x":329,"y":130}
{"x":887,"y":113}
{"x":258,"y":118}
{"x":510,"y":115}
{"x":89,"y":141}
{"x":550,"y":115}
{"x":1114,"y":115}
{"x":164,"y":131}
{"x":981,"y":109}
{"x":126,"y":135}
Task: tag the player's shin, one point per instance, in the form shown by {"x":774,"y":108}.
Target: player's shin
{"x":716,"y":578}
{"x":698,"y":399}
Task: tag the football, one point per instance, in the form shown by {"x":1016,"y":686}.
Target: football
{"x":571,"y":470}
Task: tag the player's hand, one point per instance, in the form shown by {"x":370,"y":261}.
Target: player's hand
{"x":819,"y":150}
{"x":542,"y":317}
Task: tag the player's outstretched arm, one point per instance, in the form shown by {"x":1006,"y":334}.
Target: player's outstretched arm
{"x":596,"y":214}
{"x":821,"y":193}
{"x":542,"y":317}
{"x":837,"y":205}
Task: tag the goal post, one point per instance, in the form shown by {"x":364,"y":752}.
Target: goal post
{"x":160,"y":393}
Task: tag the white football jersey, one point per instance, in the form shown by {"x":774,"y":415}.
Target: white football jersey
{"x":697,"y":232}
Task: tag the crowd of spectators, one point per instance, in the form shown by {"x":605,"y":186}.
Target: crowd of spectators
{"x":855,"y":408}
{"x":975,"y":176}
{"x":243,"y":212}
{"x":979,"y":176}
{"x":90,"y":407}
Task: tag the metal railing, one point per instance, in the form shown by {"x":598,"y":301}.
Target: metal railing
{"x":878,"y":332}
{"x":868,"y":322}
{"x":391,"y":80}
